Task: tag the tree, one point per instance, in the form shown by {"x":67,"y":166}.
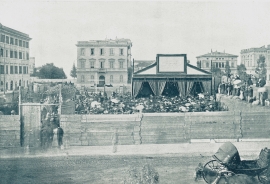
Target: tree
{"x":49,"y":71}
{"x":73,"y":72}
{"x":227,"y":68}
{"x":241,"y":71}
{"x":215,"y":71}
{"x":260,"y":69}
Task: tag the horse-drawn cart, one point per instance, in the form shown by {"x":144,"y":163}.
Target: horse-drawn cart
{"x":227,"y":163}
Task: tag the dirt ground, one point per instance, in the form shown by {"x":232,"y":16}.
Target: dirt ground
{"x":96,"y":169}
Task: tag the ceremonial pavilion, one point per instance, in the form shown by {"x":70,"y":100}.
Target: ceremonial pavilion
{"x":171,"y":75}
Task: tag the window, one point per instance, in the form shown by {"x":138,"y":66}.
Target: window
{"x":11,"y":54}
{"x":6,"y":69}
{"x":222,"y":65}
{"x":219,"y":65}
{"x":92,"y":51}
{"x":16,"y":69}
{"x":20,"y":55}
{"x":11,"y":41}
{"x":24,"y":70}
{"x":121,"y":64}
{"x":16,"y":41}
{"x":27,"y":55}
{"x":111,"y":51}
{"x":20,"y":43}
{"x":121,"y":78}
{"x":111,"y":64}
{"x":207,"y":64}
{"x":233,"y":64}
{"x":27,"y":70}
{"x":3,"y":38}
{"x":82,"y":51}
{"x":27,"y":44}
{"x":92,"y":78}
{"x":15,"y":54}
{"x":23,"y":43}
{"x":206,"y":58}
{"x":11,"y":70}
{"x":121,"y":52}
{"x":101,"y":64}
{"x":82,"y":78}
{"x":101,"y":51}
{"x":1,"y":52}
{"x":7,"y":39}
{"x":6,"y":53}
{"x":23,"y":55}
{"x":20,"y":69}
{"x":11,"y":85}
{"x":111,"y":79}
{"x":2,"y":69}
{"x":82,"y":63}
{"x":92,"y":64}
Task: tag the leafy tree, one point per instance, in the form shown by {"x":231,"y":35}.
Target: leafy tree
{"x":49,"y":71}
{"x":73,"y":72}
{"x":260,"y":69}
{"x":241,"y":71}
{"x":216,"y":71}
{"x":227,"y":68}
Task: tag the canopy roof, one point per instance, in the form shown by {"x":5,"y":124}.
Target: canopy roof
{"x":227,"y":154}
{"x":191,"y":72}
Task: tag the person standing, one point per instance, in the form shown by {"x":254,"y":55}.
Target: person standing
{"x":60,"y":134}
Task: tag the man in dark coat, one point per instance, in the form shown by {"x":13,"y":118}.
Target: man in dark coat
{"x":60,"y":134}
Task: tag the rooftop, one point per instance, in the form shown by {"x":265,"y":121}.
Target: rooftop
{"x":13,"y":31}
{"x":217,"y":54}
{"x":106,"y":42}
{"x":256,"y":49}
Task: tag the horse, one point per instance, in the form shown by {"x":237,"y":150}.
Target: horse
{"x":226,"y":178}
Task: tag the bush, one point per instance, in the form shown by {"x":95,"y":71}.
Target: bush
{"x":147,"y":175}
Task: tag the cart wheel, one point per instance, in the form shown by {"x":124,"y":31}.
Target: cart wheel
{"x":212,"y":168}
{"x":264,"y":177}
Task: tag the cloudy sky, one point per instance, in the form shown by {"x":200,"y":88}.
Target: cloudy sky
{"x":154,"y":27}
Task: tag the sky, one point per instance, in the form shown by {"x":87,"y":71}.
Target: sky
{"x":154,"y":27}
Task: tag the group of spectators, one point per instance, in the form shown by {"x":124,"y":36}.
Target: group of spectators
{"x":91,"y":103}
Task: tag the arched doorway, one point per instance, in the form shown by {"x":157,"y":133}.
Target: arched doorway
{"x":101,"y":80}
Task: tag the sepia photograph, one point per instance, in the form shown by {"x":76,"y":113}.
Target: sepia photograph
{"x":134,"y":92}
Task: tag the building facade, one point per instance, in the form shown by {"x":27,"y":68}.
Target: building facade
{"x":14,"y":59}
{"x":218,"y":60}
{"x":103,"y":62}
{"x":250,"y":56}
{"x":32,"y":65}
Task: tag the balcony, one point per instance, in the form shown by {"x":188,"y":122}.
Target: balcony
{"x":102,"y":70}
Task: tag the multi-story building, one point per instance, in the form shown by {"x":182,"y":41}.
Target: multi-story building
{"x":250,"y":56}
{"x":103,"y":62}
{"x":218,"y":60}
{"x":14,"y":59}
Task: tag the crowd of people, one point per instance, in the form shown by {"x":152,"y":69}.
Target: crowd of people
{"x":91,"y":103}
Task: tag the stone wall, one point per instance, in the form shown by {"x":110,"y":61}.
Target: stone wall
{"x":9,"y":131}
{"x":98,"y":130}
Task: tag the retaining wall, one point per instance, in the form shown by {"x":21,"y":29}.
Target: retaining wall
{"x":164,"y":128}
{"x":10,"y":131}
{"x":98,"y":130}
